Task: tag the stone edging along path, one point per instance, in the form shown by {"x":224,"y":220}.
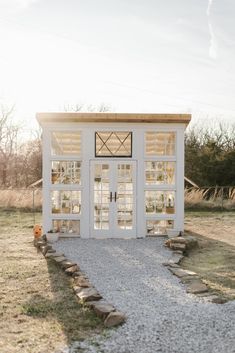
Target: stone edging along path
{"x":194,"y":285}
{"x":83,"y":289}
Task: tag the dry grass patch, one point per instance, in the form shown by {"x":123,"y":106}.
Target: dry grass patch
{"x":214,"y":260}
{"x":38,"y":310}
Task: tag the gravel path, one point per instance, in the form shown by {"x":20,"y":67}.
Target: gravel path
{"x":162,"y":317}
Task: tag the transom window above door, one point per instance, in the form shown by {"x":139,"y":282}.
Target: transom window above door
{"x":113,"y":144}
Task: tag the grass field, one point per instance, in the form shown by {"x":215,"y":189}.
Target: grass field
{"x":38,"y":310}
{"x":214,"y":260}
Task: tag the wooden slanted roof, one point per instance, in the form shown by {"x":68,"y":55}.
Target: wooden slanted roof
{"x":112,"y":118}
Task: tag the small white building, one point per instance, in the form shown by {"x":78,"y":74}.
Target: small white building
{"x":111,"y":175}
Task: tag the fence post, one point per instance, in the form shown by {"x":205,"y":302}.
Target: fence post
{"x":33,"y":208}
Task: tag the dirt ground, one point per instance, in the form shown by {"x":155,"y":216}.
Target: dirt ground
{"x":214,"y":259}
{"x":214,"y":225}
{"x":38,"y":310}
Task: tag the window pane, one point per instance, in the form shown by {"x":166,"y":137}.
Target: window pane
{"x":157,"y":173}
{"x":66,"y":201}
{"x":115,"y":144}
{"x":66,"y":143}
{"x":125,"y":201}
{"x":101,"y":196}
{"x":66,"y":226}
{"x":66,"y":172}
{"x":160,"y":143}
{"x":159,"y":202}
{"x":158,"y":227}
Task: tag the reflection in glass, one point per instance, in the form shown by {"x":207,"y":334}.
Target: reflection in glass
{"x":101,"y":197}
{"x":157,"y":173}
{"x":65,"y":172}
{"x":66,"y":143}
{"x":66,"y":201}
{"x":66,"y":226}
{"x":125,"y":196}
{"x":160,"y":143}
{"x":159,"y":202}
{"x":116,"y":143}
{"x":158,"y":227}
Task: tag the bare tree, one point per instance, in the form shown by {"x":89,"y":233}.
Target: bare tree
{"x":79,"y":107}
{"x":8,"y":143}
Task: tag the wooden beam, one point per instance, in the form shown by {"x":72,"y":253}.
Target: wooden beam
{"x":112,"y":117}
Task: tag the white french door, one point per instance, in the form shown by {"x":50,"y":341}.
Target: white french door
{"x":113,"y":199}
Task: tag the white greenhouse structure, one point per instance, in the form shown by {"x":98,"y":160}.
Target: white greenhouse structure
{"x":109,"y":175}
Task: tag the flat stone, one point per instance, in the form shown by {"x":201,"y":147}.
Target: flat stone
{"x":177,"y":246}
{"x":82,"y":282}
{"x":77,"y":289}
{"x":196,"y":287}
{"x":178,"y":240}
{"x":60,"y":259}
{"x":173,"y":265}
{"x":57,"y":254}
{"x":114,"y":318}
{"x":78,"y":274}
{"x":91,"y":304}
{"x":51,"y":251}
{"x":49,"y":255}
{"x":67,"y":264}
{"x":71,"y":270}
{"x":39,"y":243}
{"x":88,"y":294}
{"x":207,"y":295}
{"x":169,"y":264}
{"x":219,"y":300}
{"x":189,"y":279}
{"x":180,"y":252}
{"x":103,"y":310}
{"x":175,"y":259}
{"x":179,"y":272}
{"x":45,"y":249}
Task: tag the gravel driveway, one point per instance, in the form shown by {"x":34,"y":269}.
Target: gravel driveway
{"x":161,"y":316}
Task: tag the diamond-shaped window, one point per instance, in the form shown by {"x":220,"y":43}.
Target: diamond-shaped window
{"x":113,"y":144}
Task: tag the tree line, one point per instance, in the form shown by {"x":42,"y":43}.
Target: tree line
{"x":209,"y":153}
{"x":20,"y":155}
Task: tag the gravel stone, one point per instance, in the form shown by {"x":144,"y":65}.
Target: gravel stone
{"x":161,"y":316}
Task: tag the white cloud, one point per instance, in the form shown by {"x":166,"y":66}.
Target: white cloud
{"x":213,"y":48}
{"x":213,"y":43}
{"x":209,"y":7}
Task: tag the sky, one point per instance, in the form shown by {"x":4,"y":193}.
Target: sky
{"x":150,"y":56}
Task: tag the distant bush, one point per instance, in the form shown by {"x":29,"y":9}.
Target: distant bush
{"x":214,"y":198}
{"x":24,"y":199}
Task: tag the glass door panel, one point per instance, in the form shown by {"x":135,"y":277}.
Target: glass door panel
{"x":101,"y":202}
{"x":124,"y":201}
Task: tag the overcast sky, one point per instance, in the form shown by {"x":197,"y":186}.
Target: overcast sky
{"x":134,"y":55}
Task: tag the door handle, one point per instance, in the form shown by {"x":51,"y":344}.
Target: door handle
{"x":115,"y":196}
{"x":110,"y":196}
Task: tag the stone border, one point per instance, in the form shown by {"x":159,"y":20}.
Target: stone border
{"x":83,"y":289}
{"x":194,"y":285}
